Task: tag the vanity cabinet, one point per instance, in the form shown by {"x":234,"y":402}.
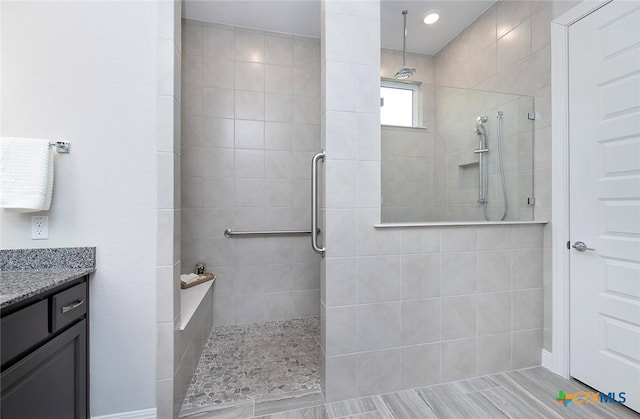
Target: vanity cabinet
{"x":44,"y":352}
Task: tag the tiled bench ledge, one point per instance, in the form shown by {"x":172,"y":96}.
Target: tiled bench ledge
{"x":455,"y":223}
{"x":190,"y":300}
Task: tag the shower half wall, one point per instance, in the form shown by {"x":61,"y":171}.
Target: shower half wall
{"x":405,"y":307}
{"x":250,"y":126}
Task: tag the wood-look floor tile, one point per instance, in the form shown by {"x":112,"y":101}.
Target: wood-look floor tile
{"x":403,"y":404}
{"x":547,"y":408}
{"x":465,"y":386}
{"x":287,"y":401}
{"x":228,"y":411}
{"x":367,"y":415}
{"x":347,"y":408}
{"x":316,"y":412}
{"x":480,"y":402}
{"x":482,"y":383}
{"x":510,"y":405}
{"x":446,"y":401}
{"x":434,"y":402}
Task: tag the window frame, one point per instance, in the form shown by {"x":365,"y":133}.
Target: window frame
{"x":415,"y":106}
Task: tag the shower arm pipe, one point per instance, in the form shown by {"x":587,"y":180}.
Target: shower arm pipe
{"x":404,"y":40}
{"x":314,"y":203}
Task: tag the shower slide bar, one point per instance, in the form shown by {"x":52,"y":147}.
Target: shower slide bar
{"x":228,"y":233}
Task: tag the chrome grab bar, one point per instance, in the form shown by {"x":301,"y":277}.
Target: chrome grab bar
{"x":228,"y":233}
{"x":314,"y":202}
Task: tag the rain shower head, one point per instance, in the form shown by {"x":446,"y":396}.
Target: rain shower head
{"x":405,"y":72}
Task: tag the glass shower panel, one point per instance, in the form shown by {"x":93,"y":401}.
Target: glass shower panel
{"x":435,"y":175}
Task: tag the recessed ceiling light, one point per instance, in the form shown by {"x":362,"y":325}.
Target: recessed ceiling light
{"x":431,"y":18}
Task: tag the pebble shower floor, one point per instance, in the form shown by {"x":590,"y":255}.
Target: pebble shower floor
{"x":249,"y":361}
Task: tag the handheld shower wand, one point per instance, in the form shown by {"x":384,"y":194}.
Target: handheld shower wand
{"x":483,"y":166}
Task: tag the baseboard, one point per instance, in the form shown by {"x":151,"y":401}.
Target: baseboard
{"x":547,"y":360}
{"x":136,"y":414}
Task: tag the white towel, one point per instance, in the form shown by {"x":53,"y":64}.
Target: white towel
{"x":189,"y":278}
{"x":26,"y":174}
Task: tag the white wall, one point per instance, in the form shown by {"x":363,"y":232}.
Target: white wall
{"x":85,"y":72}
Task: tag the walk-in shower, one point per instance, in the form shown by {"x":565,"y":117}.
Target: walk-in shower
{"x":248,"y":140}
{"x":483,"y":164}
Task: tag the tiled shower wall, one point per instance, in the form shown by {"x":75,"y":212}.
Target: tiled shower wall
{"x":172,"y":365}
{"x":250,"y":126}
{"x":407,"y":166}
{"x":508,"y":50}
{"x":407,"y":307}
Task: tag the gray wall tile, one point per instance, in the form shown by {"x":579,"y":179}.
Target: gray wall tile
{"x":526,"y":348}
{"x":420,"y":321}
{"x":458,"y":274}
{"x":459,"y":359}
{"x":378,"y":279}
{"x":420,"y":275}
{"x":342,"y":378}
{"x":459,"y":317}
{"x":420,"y":365}
{"x":527,"y":309}
{"x":494,"y":353}
{"x":378,"y":372}
{"x":230,"y":181}
{"x":378,"y":326}
{"x":494,"y":313}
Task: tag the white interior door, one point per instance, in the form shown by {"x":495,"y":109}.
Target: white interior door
{"x":604,"y":144}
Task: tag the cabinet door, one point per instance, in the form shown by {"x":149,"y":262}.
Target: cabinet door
{"x":51,"y":382}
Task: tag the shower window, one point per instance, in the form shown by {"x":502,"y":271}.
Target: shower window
{"x":399,"y":103}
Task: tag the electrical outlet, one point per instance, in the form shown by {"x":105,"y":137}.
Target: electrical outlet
{"x":39,"y":227}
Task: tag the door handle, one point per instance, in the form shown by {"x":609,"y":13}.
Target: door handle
{"x":581,"y":246}
{"x":314,"y":203}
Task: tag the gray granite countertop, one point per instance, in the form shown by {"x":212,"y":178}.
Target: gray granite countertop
{"x":28,"y":272}
{"x":17,"y":286}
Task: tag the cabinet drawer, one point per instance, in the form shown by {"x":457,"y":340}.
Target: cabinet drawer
{"x":23,"y":329}
{"x":68,"y":306}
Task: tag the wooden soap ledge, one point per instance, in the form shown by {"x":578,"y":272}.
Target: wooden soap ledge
{"x":203,"y":278}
